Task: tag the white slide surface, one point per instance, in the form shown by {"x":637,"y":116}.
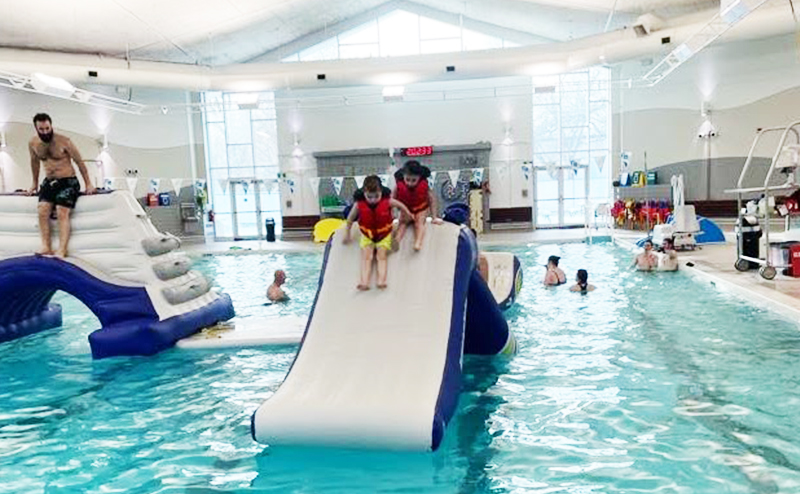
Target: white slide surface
{"x":246,"y":333}
{"x":370,"y":369}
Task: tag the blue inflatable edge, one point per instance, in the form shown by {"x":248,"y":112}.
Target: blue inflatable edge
{"x":325,"y":258}
{"x":486,"y":329}
{"x":515,"y":287}
{"x":147,"y":337}
{"x":49,"y":318}
{"x":446,"y":403}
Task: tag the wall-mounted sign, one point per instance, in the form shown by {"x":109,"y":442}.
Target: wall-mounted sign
{"x":417,"y":151}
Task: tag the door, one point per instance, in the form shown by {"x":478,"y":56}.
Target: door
{"x":561,"y":195}
{"x":245,"y":204}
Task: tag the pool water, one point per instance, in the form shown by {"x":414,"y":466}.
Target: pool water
{"x":652,"y":383}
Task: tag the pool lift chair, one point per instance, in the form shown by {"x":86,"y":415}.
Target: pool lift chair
{"x":786,"y":160}
{"x":684,"y":227}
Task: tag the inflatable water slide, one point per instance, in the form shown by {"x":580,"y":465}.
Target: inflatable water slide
{"x":127,"y":273}
{"x":382,"y":368}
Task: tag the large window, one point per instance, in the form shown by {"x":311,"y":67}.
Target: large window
{"x":571,"y":143}
{"x":242,"y":162}
{"x":399,"y":33}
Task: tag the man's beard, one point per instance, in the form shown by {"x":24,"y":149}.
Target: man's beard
{"x":45,"y":137}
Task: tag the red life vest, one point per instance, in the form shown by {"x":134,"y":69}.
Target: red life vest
{"x":375,"y":222}
{"x":415,"y":199}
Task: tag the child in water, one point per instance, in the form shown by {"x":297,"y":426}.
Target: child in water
{"x":373,"y":210}
{"x":413,"y":191}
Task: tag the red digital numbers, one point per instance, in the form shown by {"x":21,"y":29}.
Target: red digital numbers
{"x":418,"y":151}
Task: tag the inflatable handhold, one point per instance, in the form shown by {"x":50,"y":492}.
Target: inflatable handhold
{"x":196,"y":286}
{"x":168,"y":270}
{"x":156,"y":246}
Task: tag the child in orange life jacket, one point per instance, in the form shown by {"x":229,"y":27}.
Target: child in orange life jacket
{"x":373,"y":210}
{"x":413,"y":191}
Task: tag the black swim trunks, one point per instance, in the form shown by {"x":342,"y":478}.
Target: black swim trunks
{"x":60,"y":191}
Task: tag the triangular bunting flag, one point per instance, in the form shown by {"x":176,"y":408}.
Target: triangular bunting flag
{"x":108,"y":183}
{"x":552,"y":170}
{"x":526,"y":172}
{"x":131,"y":182}
{"x":477,"y":175}
{"x":600,"y":161}
{"x":223,"y":185}
{"x":433,"y":176}
{"x":386,"y":180}
{"x":313,"y":182}
{"x":200,"y":183}
{"x":290,"y":184}
{"x":337,"y":184}
{"x":454,"y":174}
{"x":154,"y":184}
{"x":360,"y":180}
{"x":177,"y":183}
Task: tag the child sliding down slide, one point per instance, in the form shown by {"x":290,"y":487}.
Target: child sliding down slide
{"x":373,"y":210}
{"x":413,"y":191}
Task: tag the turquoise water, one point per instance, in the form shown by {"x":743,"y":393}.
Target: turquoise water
{"x":652,"y":383}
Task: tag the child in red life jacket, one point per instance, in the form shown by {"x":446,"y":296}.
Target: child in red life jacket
{"x":373,"y":210}
{"x":413,"y":191}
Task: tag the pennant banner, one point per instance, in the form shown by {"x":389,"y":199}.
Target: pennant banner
{"x":223,"y":185}
{"x":552,"y":170}
{"x":290,"y":183}
{"x":600,"y":161}
{"x":386,"y":180}
{"x":526,"y":172}
{"x":360,"y":180}
{"x":433,"y":178}
{"x":454,"y":174}
{"x":177,"y":183}
{"x":268,"y":186}
{"x":313,"y":182}
{"x":154,"y":184}
{"x":477,"y":175}
{"x":200,"y":184}
{"x":108,"y":183}
{"x":131,"y":182}
{"x":502,"y":172}
{"x":337,"y":184}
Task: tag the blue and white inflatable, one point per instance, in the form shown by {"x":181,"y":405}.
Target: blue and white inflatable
{"x":382,"y":368}
{"x":126,"y":272}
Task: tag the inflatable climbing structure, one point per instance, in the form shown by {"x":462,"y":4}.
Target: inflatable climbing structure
{"x":126,"y":272}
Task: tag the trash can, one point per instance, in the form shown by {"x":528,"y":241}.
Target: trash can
{"x":270,"y":224}
{"x":749,"y":232}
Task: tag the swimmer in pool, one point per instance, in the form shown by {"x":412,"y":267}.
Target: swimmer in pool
{"x":582,"y":282}
{"x":647,"y":260}
{"x":275,"y":293}
{"x":554,"y":275}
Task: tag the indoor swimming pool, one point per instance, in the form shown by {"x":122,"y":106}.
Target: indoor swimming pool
{"x":655,"y":382}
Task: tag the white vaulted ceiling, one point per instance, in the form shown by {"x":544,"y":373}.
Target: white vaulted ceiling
{"x":220,"y":32}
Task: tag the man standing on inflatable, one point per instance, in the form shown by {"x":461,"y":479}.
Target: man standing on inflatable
{"x":60,"y":187}
{"x":413,"y":191}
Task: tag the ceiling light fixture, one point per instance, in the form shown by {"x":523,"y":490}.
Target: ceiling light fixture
{"x":54,"y":86}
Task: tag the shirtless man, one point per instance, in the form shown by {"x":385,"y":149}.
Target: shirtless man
{"x":647,"y":260}
{"x":60,"y":187}
{"x":275,"y":293}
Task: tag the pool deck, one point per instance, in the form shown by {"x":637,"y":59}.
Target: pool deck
{"x":714,"y":264}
